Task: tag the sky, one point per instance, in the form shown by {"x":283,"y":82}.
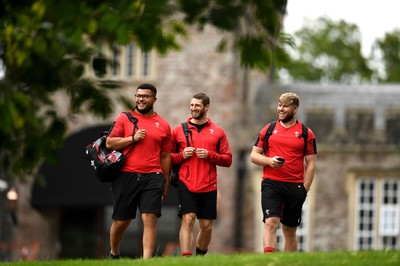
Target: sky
{"x":373,"y":17}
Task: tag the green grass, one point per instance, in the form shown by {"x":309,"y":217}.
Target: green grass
{"x":362,"y":258}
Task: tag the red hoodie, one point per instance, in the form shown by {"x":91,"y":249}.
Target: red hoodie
{"x":200,"y":175}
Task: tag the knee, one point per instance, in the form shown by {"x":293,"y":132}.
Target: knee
{"x":271,"y":224}
{"x":120,"y":226}
{"x":289,"y":232}
{"x":206,"y":226}
{"x":149,"y":218}
{"x":188,"y":219}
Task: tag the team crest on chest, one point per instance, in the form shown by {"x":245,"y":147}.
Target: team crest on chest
{"x":296,"y":133}
{"x":212,"y":131}
{"x":157,"y":124}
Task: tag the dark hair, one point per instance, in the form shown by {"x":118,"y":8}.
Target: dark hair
{"x":147,"y":86}
{"x":203,"y":97}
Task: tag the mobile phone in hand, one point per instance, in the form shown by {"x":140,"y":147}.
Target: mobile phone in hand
{"x":281,"y":160}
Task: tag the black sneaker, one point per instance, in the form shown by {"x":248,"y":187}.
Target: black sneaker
{"x":200,"y":252}
{"x":113,"y":257}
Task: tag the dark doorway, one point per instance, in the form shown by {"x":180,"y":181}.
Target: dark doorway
{"x":78,"y":233}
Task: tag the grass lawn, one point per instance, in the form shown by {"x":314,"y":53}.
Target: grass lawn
{"x":361,"y":258}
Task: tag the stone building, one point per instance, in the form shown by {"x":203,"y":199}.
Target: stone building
{"x":354,"y":201}
{"x":353,"y":204}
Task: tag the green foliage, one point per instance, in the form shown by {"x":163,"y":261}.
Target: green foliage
{"x":389,"y":49}
{"x":257,"y":25}
{"x":328,"y":51}
{"x":46,"y":45}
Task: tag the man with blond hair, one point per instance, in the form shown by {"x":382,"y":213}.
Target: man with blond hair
{"x":286,"y":149}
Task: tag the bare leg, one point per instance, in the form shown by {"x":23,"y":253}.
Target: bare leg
{"x":289,"y":233}
{"x":270,"y":227}
{"x":186,"y":232}
{"x":205,"y":233}
{"x":117,"y":231}
{"x":149,"y":234}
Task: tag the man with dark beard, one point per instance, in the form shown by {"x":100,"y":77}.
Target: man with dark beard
{"x":288,"y":160}
{"x":144,"y":178}
{"x":197,"y":184}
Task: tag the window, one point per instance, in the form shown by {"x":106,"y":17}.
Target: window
{"x":365,"y":213}
{"x":359,"y":125}
{"x":126,"y":62}
{"x":145,"y":64}
{"x":130,"y":60}
{"x":99,"y":62}
{"x":321,"y":123}
{"x":138,"y":64}
{"x":115,"y":61}
{"x":377,"y":216}
{"x":393,"y":126}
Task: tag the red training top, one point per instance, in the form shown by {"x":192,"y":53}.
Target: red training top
{"x":200,"y":175}
{"x":144,"y":156}
{"x":285,"y":143}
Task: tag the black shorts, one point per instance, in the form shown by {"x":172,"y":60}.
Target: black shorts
{"x":131,"y":191}
{"x":203,"y":204}
{"x":284,"y":200}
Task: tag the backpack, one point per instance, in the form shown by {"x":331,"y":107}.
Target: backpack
{"x":175,"y":168}
{"x":106,"y":164}
{"x":304,"y":134}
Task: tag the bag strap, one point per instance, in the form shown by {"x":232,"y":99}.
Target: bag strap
{"x":186,"y":132}
{"x":268,"y":134}
{"x":133,"y":120}
{"x":135,"y":127}
{"x":304,"y":134}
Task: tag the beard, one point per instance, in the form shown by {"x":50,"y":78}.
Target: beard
{"x":198,"y":115}
{"x":287,"y":118}
{"x":144,"y":111}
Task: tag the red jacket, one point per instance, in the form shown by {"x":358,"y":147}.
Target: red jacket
{"x":200,"y":175}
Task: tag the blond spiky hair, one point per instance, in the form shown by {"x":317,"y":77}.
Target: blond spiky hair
{"x":289,"y":98}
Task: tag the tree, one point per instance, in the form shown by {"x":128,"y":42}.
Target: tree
{"x":387,"y":51}
{"x":45,"y":46}
{"x":328,"y":51}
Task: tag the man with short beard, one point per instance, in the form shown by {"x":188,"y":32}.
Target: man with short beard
{"x":288,"y":160}
{"x":144,"y":178}
{"x":197,"y":183}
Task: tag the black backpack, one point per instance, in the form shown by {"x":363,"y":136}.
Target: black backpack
{"x":175,"y":168}
{"x":304,"y":134}
{"x":106,"y":163}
